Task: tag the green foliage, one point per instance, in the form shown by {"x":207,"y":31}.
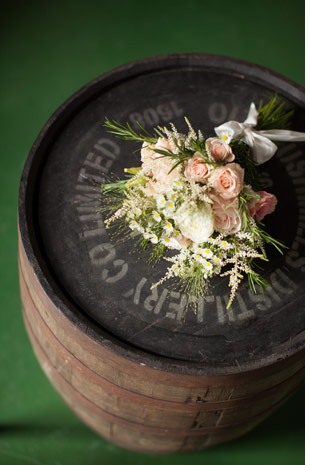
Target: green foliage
{"x":117,"y":186}
{"x":242,"y":154}
{"x":157,"y":253}
{"x":273,"y":115}
{"x":194,"y":284}
{"x":254,"y":227}
{"x":256,"y":279}
{"x":125,"y":132}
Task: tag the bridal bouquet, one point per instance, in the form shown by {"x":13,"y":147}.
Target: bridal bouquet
{"x":201,"y":198}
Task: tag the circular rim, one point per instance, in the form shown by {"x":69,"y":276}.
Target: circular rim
{"x":50,"y":130}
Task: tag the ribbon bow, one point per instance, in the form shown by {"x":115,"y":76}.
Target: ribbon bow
{"x":260,"y":141}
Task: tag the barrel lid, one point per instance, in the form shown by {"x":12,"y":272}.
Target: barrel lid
{"x":108,"y":284}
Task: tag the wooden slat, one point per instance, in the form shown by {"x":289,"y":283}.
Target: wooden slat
{"x":129,"y":375}
{"x":110,"y":396}
{"x":111,"y":427}
{"x":64,"y":385}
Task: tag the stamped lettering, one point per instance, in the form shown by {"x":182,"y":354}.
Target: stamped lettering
{"x":164,"y":112}
{"x":173,"y":305}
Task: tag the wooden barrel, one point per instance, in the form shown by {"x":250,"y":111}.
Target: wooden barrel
{"x":130,"y":361}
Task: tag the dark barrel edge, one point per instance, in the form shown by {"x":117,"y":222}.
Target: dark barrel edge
{"x":32,"y":167}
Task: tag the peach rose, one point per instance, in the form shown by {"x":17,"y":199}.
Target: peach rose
{"x":197,"y":170}
{"x":163,"y":144}
{"x":226,"y":215}
{"x":227,"y":181}
{"x":219,"y":150}
{"x":264,"y":206}
{"x":162,"y":167}
{"x":146,"y":152}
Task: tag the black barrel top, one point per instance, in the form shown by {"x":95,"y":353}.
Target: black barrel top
{"x":109,"y":283}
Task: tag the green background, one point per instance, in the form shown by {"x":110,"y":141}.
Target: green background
{"x":48,"y":51}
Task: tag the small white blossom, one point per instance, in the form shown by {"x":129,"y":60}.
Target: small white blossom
{"x":154,"y":239}
{"x":178,"y":185}
{"x":170,"y":206}
{"x":172,"y":196}
{"x":199,"y":258}
{"x":170,"y":242}
{"x":156,"y":216}
{"x":207,"y":253}
{"x":168,"y":227}
{"x":225,"y":245}
{"x":216,"y":260}
{"x":208,"y":266}
{"x":160,"y":201}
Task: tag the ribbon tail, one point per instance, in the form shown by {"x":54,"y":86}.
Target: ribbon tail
{"x":263,"y":149}
{"x":283,"y":135}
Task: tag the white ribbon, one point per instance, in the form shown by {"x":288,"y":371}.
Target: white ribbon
{"x":260,"y":141}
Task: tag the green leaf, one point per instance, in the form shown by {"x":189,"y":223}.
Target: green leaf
{"x":272,"y":115}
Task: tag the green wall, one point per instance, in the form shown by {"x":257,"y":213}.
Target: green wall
{"x":48,"y":51}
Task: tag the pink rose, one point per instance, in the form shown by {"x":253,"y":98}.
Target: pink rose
{"x":262,"y":207}
{"x":219,"y":150}
{"x":146,"y":152}
{"x":163,"y":144}
{"x":197,"y":170}
{"x":162,"y":167}
{"x":161,"y":177}
{"x":227,"y":181}
{"x":226,"y":215}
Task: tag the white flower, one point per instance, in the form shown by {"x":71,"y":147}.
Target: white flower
{"x":160,"y":201}
{"x":136,"y":226}
{"x":170,"y":206}
{"x":199,"y":258}
{"x":172,"y":195}
{"x":178,"y":185}
{"x":177,"y":234}
{"x":216,"y":260}
{"x":225,"y":245}
{"x":226,"y":133}
{"x":168,"y":227}
{"x":208,"y":266}
{"x":207,"y":253}
{"x":154,"y":239}
{"x":156,"y":216}
{"x":170,"y":242}
{"x":226,"y":138}
{"x":195,"y":222}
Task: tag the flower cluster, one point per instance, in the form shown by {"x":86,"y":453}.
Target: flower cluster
{"x":201,"y":195}
{"x":195,"y":195}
